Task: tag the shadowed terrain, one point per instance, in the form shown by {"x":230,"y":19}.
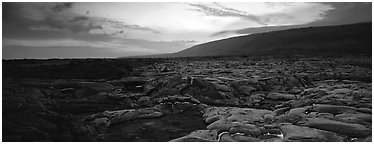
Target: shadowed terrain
{"x":255,"y":99}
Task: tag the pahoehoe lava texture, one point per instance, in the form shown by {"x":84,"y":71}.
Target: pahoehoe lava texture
{"x":245,"y":99}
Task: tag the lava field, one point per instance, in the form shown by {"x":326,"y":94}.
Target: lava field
{"x":204,"y":99}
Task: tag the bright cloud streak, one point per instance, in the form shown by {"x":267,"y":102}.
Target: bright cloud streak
{"x":174,"y":18}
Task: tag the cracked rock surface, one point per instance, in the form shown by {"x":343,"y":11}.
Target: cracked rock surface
{"x":218,"y":99}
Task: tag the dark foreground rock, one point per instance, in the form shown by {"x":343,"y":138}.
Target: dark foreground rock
{"x":228,"y":99}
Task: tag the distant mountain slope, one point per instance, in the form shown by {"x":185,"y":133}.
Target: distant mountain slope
{"x":343,"y":39}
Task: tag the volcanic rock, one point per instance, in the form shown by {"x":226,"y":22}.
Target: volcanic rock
{"x":298,"y":133}
{"x":348,"y":129}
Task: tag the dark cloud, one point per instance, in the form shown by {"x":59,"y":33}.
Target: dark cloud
{"x":121,"y":32}
{"x":76,"y":24}
{"x":99,"y":22}
{"x":80,"y":18}
{"x":76,"y":28}
{"x":54,"y":23}
{"x":10,"y":12}
{"x":14,"y":16}
{"x":226,"y":12}
{"x":62,"y":6}
{"x":52,"y":16}
{"x":122,"y":25}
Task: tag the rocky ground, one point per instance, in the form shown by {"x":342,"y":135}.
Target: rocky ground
{"x":226,"y":99}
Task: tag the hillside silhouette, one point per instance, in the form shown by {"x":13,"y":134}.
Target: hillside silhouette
{"x":353,"y":39}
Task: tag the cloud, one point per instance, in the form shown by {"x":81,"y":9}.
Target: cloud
{"x":62,"y":6}
{"x":345,"y":13}
{"x":118,"y":24}
{"x":266,"y":14}
{"x":217,"y":9}
{"x":57,"y":16}
{"x":85,"y":24}
{"x":157,"y":27}
{"x":76,"y":25}
{"x":14,"y":16}
{"x":339,"y":13}
{"x":31,"y":16}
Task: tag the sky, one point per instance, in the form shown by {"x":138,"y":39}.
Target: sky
{"x":120,"y":29}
